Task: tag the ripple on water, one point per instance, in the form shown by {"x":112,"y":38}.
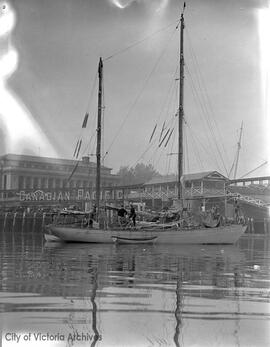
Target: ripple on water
{"x":137,"y":295}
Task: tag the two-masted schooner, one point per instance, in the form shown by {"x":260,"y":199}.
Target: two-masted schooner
{"x":224,"y":233}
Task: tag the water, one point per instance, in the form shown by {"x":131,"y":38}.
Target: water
{"x":54,"y":294}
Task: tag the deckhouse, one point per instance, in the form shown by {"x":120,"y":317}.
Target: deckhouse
{"x":196,"y":185}
{"x":199,"y":187}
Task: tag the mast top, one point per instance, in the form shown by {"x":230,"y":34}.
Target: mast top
{"x":184,"y":6}
{"x":100,"y":65}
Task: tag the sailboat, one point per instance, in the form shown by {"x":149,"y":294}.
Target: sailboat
{"x":175,"y":233}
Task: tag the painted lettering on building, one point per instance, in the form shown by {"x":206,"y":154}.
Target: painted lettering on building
{"x":75,"y":194}
{"x":40,"y":195}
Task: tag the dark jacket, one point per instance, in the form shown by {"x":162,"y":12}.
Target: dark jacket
{"x":122,"y":212}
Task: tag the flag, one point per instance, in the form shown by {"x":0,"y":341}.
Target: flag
{"x":85,"y":120}
{"x":79,"y":148}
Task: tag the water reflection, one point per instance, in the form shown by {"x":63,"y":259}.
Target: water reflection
{"x":135,"y":295}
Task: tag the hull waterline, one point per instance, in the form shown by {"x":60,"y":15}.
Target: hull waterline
{"x":220,"y":235}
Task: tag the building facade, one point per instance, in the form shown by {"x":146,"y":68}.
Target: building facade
{"x":21,"y":175}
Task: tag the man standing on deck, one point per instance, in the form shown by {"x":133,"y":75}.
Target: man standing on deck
{"x":122,"y":216}
{"x":132,"y":215}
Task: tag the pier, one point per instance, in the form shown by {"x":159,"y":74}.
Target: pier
{"x":213,"y":188}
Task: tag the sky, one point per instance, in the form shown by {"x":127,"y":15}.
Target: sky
{"x":49,"y":53}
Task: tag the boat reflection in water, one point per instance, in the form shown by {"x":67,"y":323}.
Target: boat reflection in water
{"x":135,"y":295}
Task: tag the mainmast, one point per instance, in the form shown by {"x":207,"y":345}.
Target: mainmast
{"x":98,"y":150}
{"x":181,"y":106}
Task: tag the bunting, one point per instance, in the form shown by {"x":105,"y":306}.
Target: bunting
{"x":79,"y":148}
{"x":73,"y":171}
{"x":153,"y":133}
{"x":167,"y":132}
{"x":163,"y":127}
{"x":76,"y":148}
{"x":169,"y":137}
{"x":85,"y":120}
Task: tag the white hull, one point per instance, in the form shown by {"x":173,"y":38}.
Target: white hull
{"x":228,"y":234}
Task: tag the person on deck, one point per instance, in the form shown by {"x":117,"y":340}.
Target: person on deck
{"x":91,"y":217}
{"x":132,"y":214}
{"x":122,"y":216}
{"x":236,"y":210}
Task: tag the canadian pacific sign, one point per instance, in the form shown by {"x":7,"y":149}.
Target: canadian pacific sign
{"x":79,"y":194}
{"x":40,"y":195}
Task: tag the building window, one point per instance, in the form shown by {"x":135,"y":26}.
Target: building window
{"x":35,"y":184}
{"x":28,"y":183}
{"x":50,"y":183}
{"x":5,"y":181}
{"x":187,"y":184}
{"x":20,"y":183}
{"x":43,"y":183}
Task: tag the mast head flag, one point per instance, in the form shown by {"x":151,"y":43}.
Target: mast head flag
{"x":22,"y":133}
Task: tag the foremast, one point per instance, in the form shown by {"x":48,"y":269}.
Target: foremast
{"x":181,"y":108}
{"x":98,"y":149}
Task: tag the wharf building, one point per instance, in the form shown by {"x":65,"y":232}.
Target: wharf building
{"x":32,"y":180}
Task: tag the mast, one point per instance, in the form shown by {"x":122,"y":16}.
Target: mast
{"x":181,"y":106}
{"x":238,"y":151}
{"x":98,"y":150}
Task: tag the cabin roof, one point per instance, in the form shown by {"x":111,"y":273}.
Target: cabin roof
{"x":204,"y":175}
{"x":187,"y":177}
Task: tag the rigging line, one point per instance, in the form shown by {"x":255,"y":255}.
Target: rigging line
{"x":170,"y":105}
{"x":91,"y":137}
{"x":140,"y":93}
{"x":193,"y":137}
{"x":202,"y":83}
{"x":169,"y":95}
{"x":168,"y":162}
{"x":92,"y":90}
{"x":233,"y":164}
{"x":147,"y":149}
{"x":205,"y":94}
{"x":89,"y":101}
{"x":90,"y":148}
{"x":154,"y":156}
{"x":155,"y":141}
{"x":197,"y":99}
{"x":156,"y":160}
{"x":155,"y":138}
{"x":163,"y":149}
{"x":187,"y":152}
{"x":73,"y":170}
{"x":258,"y":167}
{"x":165,"y":105}
{"x":196,"y":151}
{"x":214,"y":139}
{"x":204,"y":109}
{"x":173,"y":146}
{"x":136,"y":43}
{"x":162,"y":138}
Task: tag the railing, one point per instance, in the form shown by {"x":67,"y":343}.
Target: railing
{"x":248,"y":199}
{"x":117,"y":195}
